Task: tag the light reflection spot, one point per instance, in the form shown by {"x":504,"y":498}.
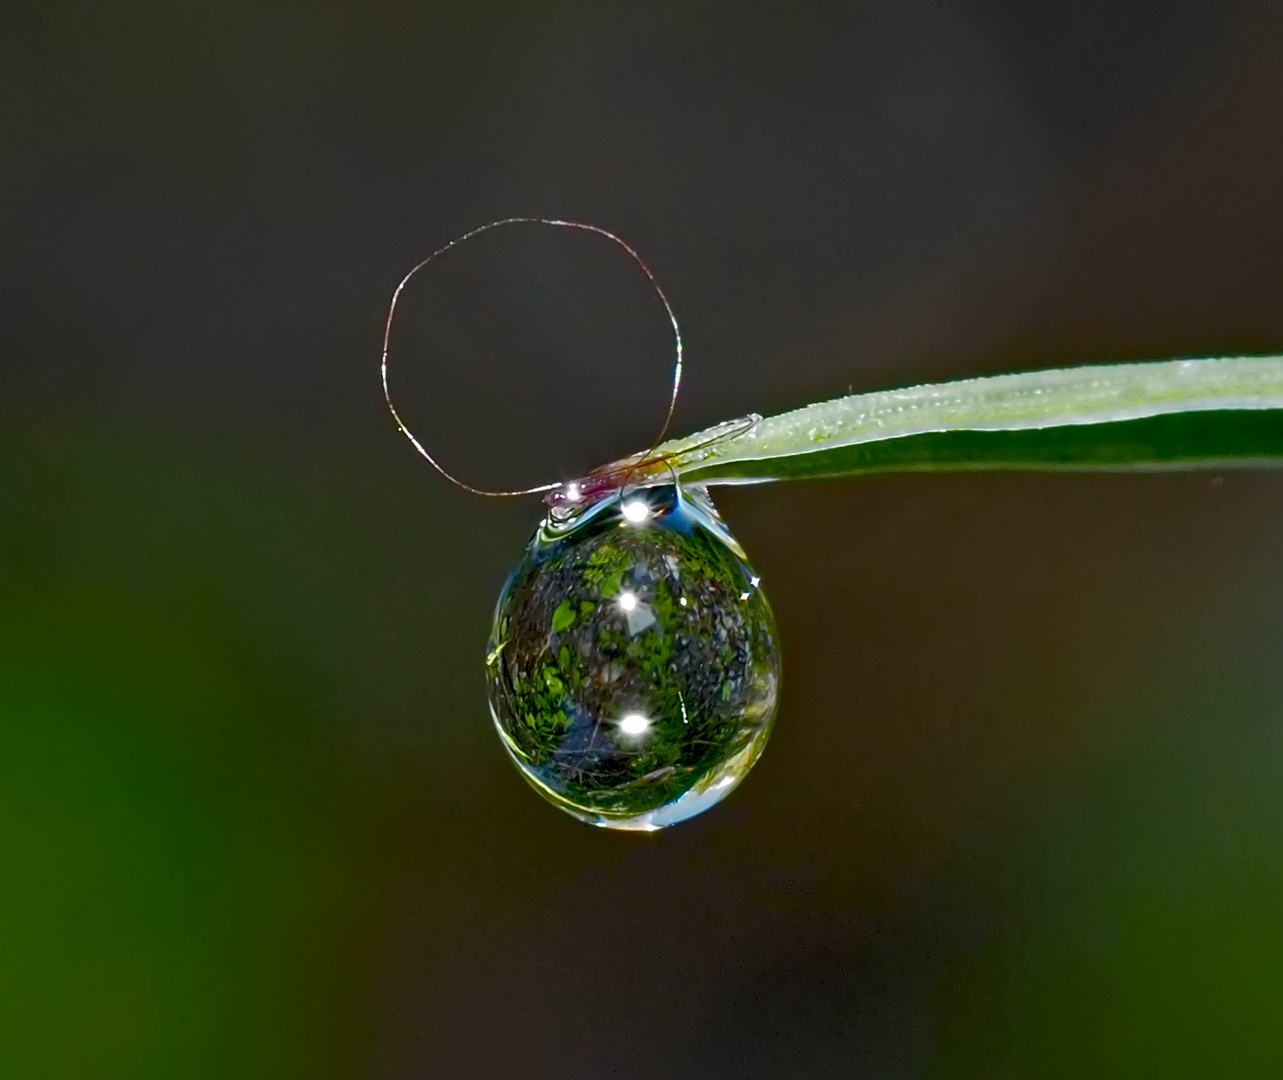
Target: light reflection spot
{"x":636,"y":511}
{"x":634,"y":724}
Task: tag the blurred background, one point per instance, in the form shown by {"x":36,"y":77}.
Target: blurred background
{"x":1022,"y":813}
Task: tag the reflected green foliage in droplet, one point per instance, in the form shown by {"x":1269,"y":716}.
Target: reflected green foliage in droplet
{"x":633,"y":666}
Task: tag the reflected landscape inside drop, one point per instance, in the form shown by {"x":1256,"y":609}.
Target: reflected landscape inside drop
{"x":633,"y":665}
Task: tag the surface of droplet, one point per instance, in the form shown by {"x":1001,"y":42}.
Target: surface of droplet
{"x":633,"y":665}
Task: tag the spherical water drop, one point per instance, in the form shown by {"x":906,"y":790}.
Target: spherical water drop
{"x":634,"y":664}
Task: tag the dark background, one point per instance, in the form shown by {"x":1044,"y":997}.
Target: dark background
{"x":1022,"y":813}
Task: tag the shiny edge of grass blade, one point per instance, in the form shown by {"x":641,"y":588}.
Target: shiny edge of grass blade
{"x":1163,"y":414}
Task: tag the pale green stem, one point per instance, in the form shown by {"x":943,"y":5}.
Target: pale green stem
{"x":835,"y":437}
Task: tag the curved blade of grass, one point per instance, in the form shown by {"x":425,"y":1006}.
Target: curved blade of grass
{"x":1165,"y":414}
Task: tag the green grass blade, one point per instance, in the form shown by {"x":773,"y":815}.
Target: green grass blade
{"x":1166,"y":414}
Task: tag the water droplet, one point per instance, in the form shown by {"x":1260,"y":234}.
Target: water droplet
{"x":634,"y":663}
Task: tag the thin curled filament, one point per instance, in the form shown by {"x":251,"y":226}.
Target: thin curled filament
{"x":387,"y":337}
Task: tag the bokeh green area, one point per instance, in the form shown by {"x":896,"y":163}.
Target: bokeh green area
{"x":190,"y":641}
{"x":166,"y":881}
{"x":255,"y":821}
{"x":1146,"y":922}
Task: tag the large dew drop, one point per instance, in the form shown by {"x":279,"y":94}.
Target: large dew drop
{"x":634,"y":663}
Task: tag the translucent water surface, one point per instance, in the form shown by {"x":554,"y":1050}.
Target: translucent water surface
{"x":633,"y":665}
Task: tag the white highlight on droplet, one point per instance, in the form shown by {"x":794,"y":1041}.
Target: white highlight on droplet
{"x":682,"y":601}
{"x":744,"y":596}
{"x":628,"y":601}
{"x":755,"y":581}
{"x":573,"y":494}
{"x":634,"y":724}
{"x":636,"y":511}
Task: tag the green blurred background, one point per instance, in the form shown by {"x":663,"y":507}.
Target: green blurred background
{"x":1021,"y":816}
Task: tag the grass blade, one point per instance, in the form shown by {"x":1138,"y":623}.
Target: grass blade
{"x":1165,"y":414}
